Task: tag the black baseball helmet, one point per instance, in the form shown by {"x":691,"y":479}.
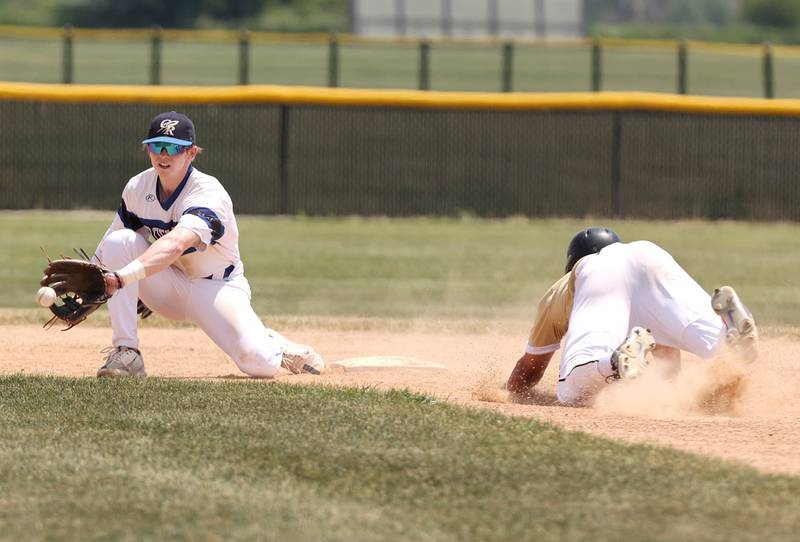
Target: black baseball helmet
{"x":589,"y":241}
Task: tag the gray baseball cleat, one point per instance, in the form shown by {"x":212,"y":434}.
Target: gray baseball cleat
{"x":742,"y":332}
{"x":630,"y":358}
{"x":299,"y":358}
{"x":122,"y":361}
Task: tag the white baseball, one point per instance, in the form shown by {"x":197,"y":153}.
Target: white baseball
{"x":46,"y":296}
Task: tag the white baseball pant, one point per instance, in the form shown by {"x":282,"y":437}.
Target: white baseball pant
{"x":220,"y":307}
{"x":627,"y":285}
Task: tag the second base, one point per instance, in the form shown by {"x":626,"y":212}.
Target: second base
{"x":372,"y":363}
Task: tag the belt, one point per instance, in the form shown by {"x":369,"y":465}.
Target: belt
{"x":222,"y":275}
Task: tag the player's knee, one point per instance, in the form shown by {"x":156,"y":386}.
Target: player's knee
{"x":577,"y":396}
{"x":121,"y":237}
{"x":120,"y":247}
{"x":571,"y":395}
{"x":258,"y":360}
{"x":581,"y":386}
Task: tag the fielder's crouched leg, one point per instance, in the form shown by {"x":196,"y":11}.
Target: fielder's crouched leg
{"x":222,"y":310}
{"x":256,"y":357}
{"x":120,"y":247}
{"x":117,"y":249}
{"x":582,"y":383}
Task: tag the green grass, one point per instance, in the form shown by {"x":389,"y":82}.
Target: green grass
{"x":168,"y":459}
{"x":159,"y":459}
{"x":430,"y":268}
{"x":453,"y":67}
{"x":729,"y":32}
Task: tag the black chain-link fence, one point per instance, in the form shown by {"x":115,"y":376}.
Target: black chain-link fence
{"x":342,"y":160}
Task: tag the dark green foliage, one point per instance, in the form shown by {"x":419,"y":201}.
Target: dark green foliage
{"x":733,"y":33}
{"x":234,"y":9}
{"x":773,"y":13}
{"x":270,"y":15}
{"x":142,"y":13}
{"x":714,"y":12}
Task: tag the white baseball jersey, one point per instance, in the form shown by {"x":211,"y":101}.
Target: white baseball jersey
{"x":200,"y":204}
{"x":205,"y":285}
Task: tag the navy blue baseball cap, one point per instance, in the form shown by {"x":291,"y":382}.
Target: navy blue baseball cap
{"x":171,"y":127}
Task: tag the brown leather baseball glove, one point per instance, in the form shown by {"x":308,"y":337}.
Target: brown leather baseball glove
{"x":80,"y":287}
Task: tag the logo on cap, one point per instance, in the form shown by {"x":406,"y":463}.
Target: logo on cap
{"x":168,"y":126}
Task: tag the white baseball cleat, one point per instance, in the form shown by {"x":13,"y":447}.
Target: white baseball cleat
{"x":742,"y":332}
{"x":630,"y":358}
{"x":122,"y":361}
{"x":299,"y":358}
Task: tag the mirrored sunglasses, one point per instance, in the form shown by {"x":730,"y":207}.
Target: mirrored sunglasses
{"x":171,"y":148}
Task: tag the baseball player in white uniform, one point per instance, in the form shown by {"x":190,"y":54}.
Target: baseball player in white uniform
{"x":615,"y":303}
{"x":174,"y":245}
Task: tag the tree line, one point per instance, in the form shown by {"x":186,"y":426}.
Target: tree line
{"x":783,"y":15}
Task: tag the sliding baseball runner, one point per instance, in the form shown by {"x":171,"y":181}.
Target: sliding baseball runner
{"x":615,"y":304}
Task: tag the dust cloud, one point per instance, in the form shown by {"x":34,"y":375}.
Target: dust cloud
{"x":724,"y":385}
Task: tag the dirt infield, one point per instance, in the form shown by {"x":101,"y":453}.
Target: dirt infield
{"x":746,"y":414}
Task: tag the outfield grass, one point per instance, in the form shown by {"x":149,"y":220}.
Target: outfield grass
{"x":431,"y":268}
{"x":133,"y":460}
{"x":374,"y":65}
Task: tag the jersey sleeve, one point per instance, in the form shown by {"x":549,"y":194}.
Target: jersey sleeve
{"x":552,"y":319}
{"x":206,"y":218}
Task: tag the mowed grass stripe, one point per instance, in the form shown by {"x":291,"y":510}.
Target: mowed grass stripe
{"x":425,"y":268}
{"x":169,"y":459}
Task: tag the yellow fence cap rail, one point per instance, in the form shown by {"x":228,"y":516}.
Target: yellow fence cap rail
{"x":519,"y":101}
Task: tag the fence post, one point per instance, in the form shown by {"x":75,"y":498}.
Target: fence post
{"x":769,"y":73}
{"x":682,"y":63}
{"x":67,"y":55}
{"x":333,"y":61}
{"x":616,"y":166}
{"x":597,"y":66}
{"x":244,"y":57}
{"x":508,"y":65}
{"x":283,"y":159}
{"x":155,"y":56}
{"x":424,"y":65}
